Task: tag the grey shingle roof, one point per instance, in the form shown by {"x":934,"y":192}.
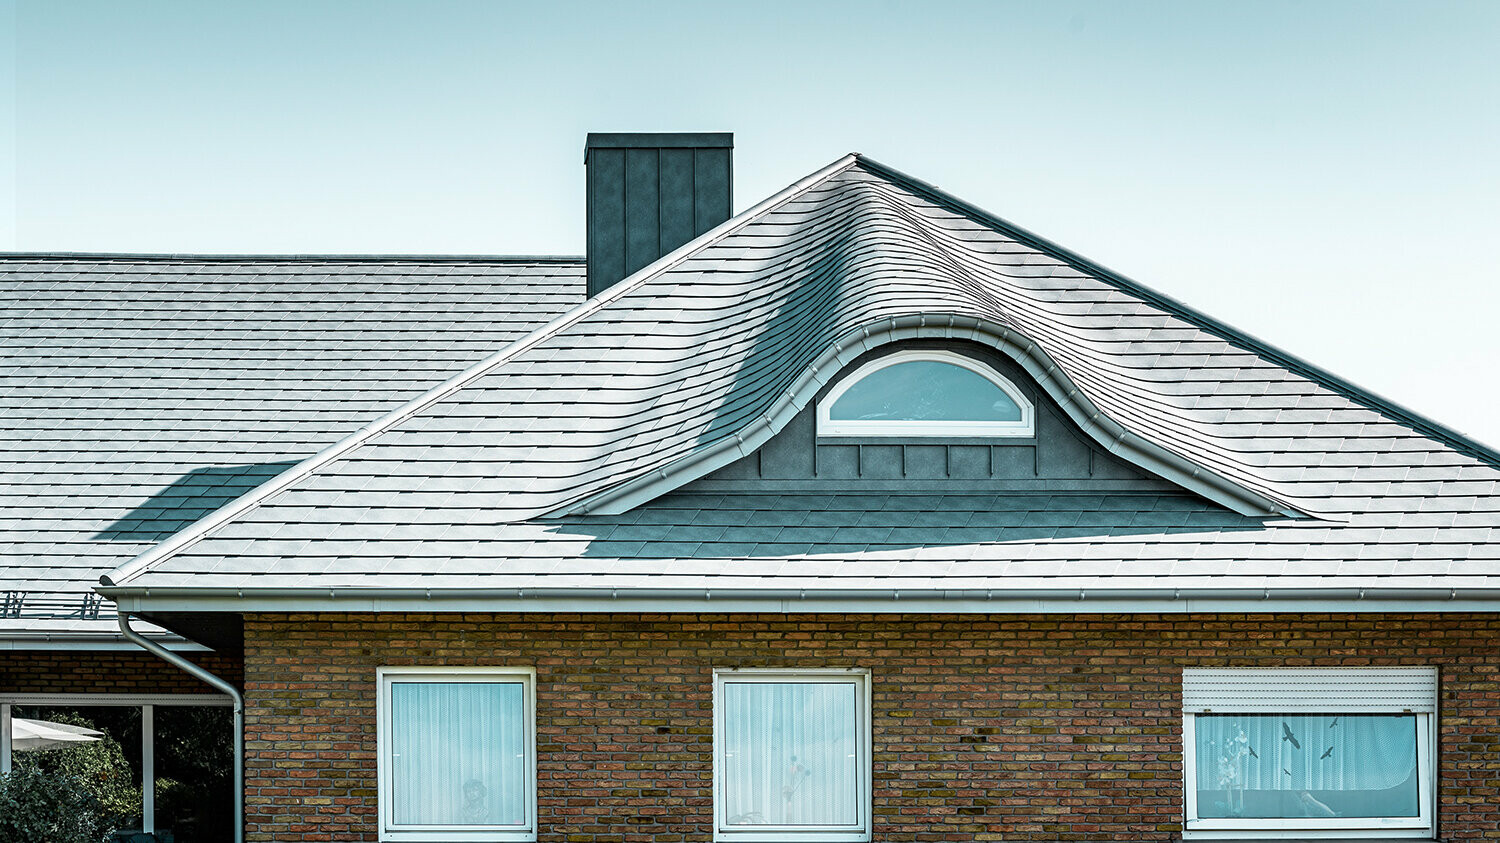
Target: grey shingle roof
{"x":139,"y":393}
{"x":711,"y":349}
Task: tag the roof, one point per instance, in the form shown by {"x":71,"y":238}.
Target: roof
{"x":487,"y":482}
{"x":138,"y":393}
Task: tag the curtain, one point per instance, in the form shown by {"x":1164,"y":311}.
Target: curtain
{"x":458,"y":753}
{"x":1306,"y":765}
{"x":791,"y":753}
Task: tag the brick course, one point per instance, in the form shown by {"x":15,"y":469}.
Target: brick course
{"x":993,"y":727}
{"x":131,"y":671}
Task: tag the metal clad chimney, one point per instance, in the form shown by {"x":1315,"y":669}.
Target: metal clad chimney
{"x":649,"y":194}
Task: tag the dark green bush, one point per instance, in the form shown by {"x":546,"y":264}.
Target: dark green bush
{"x":48,"y":808}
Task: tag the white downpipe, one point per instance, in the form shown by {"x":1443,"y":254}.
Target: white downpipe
{"x":5,"y":738}
{"x":239,"y":713}
{"x":148,"y":769}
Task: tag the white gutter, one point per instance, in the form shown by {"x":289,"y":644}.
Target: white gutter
{"x":239,"y":712}
{"x":1081,"y":599}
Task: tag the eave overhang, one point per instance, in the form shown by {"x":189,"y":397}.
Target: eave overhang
{"x":1038,"y":595}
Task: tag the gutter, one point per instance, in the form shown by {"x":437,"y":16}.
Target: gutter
{"x":1080,"y":598}
{"x":216,"y":682}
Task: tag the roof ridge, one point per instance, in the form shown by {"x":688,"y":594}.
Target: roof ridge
{"x":1455,"y":439}
{"x":121,"y":574}
{"x":290,"y":257}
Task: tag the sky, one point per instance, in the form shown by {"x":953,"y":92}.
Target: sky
{"x":1324,"y":175}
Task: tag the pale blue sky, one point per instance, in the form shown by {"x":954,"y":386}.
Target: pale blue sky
{"x":1323,"y":174}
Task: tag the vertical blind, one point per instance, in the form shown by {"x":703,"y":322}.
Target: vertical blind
{"x":458,"y":753}
{"x":790,"y":753}
{"x":1306,"y":765}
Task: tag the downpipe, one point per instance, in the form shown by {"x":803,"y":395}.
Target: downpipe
{"x":239,"y":712}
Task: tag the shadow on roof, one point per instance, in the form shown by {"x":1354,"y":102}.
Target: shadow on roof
{"x":729,"y":526}
{"x":191,"y":497}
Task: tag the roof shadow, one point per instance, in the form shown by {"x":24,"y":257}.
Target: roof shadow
{"x":723,"y":527}
{"x":189,"y":498}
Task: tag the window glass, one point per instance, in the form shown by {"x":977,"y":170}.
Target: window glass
{"x":458,"y":754}
{"x":194,"y":773}
{"x":97,"y":747}
{"x":1318,"y":766}
{"x":791,"y":754}
{"x":925,"y":390}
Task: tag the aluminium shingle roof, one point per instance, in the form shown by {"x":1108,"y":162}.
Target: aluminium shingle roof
{"x":485,"y":483}
{"x":138,"y":393}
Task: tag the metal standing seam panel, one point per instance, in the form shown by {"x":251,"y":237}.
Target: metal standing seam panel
{"x":606,"y":218}
{"x":1310,"y":689}
{"x":675,"y":183}
{"x":713,"y":188}
{"x":642,"y":219}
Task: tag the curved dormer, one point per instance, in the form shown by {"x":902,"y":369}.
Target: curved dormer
{"x":933,"y":416}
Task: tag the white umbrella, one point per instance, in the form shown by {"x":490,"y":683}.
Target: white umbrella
{"x":27,"y":735}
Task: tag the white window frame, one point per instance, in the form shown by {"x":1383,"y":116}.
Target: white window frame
{"x":1423,"y":709}
{"x":147,"y":703}
{"x":857,"y":677}
{"x":827,"y":426}
{"x":385,"y":679}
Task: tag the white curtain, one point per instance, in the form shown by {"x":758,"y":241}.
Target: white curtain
{"x":1301,"y":765}
{"x":458,"y":753}
{"x":791,"y":753}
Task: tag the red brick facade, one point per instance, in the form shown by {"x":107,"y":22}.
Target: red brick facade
{"x":1007,"y":727}
{"x":131,"y":671}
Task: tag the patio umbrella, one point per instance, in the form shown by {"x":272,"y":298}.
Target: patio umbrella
{"x":28,"y":735}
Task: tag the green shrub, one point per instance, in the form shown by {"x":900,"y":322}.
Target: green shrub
{"x":48,"y":808}
{"x":99,"y":766}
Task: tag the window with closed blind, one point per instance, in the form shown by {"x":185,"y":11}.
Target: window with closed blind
{"x":792,"y":755}
{"x":456,"y":754}
{"x":1309,"y":750}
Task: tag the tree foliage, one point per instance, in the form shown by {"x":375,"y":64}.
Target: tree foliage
{"x":43,"y":806}
{"x":99,"y":766}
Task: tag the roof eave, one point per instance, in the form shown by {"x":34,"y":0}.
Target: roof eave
{"x":1347,"y":594}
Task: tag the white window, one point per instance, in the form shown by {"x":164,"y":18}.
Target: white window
{"x":1333,"y":752}
{"x":925,"y":393}
{"x":792,"y":755}
{"x":457,"y":753}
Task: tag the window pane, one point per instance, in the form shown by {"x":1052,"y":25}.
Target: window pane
{"x":790,"y":753}
{"x":1301,"y":765}
{"x":924,"y":390}
{"x":194,"y":773}
{"x":458,"y":753}
{"x":96,"y":747}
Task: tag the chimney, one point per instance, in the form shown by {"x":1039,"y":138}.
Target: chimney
{"x":649,"y":194}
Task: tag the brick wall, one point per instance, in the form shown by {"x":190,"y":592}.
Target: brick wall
{"x":985,"y":727}
{"x":112,"y":672}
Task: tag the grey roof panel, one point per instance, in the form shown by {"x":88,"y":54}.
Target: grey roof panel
{"x":138,"y":393}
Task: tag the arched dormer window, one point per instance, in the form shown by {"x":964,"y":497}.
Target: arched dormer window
{"x":925,"y":393}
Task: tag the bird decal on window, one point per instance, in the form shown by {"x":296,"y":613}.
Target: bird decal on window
{"x":1286,"y":735}
{"x":1327,"y":752}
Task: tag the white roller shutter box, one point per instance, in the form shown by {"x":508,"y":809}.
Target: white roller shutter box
{"x":1310,"y":689}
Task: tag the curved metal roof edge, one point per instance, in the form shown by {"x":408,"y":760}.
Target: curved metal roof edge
{"x":1428,"y":427}
{"x":1096,"y":424}
{"x":127,"y":571}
